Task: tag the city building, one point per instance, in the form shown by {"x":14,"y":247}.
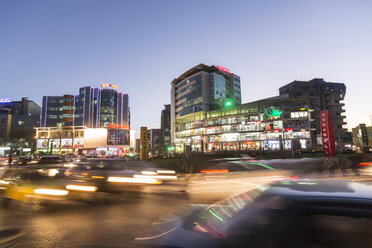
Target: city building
{"x":203,"y":88}
{"x":268,"y":124}
{"x":165,"y":129}
{"x":358,"y":138}
{"x":154,"y":141}
{"x":96,"y":121}
{"x":91,"y":108}
{"x":17,"y":122}
{"x":321,"y":95}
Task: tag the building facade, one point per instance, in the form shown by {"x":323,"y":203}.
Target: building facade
{"x":203,"y":88}
{"x":165,"y":129}
{"x":154,"y":141}
{"x":91,"y":108}
{"x":321,"y":95}
{"x":17,"y":122}
{"x":269,"y":124}
{"x":96,"y":121}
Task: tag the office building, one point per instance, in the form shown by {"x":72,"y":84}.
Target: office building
{"x":203,"y":88}
{"x":165,"y":129}
{"x":91,"y":108}
{"x":96,"y":121}
{"x":321,"y":95}
{"x":17,"y":122}
{"x":153,"y":141}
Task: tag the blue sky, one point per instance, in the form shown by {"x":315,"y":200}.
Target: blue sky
{"x":55,"y":47}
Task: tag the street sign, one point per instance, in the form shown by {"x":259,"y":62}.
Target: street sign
{"x":328,"y":136}
{"x":144,"y":142}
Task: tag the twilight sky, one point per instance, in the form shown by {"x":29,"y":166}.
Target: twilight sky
{"x":55,"y":47}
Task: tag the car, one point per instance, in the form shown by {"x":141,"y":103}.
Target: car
{"x":50,"y":160}
{"x":110,"y":176}
{"x":40,"y":185}
{"x":287,"y":213}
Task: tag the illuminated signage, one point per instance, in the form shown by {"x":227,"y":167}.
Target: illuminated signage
{"x":223,"y":69}
{"x":109,"y":86}
{"x":272,"y":112}
{"x":144,"y":143}
{"x":4,"y":100}
{"x":328,"y":137}
{"x":111,"y":125}
{"x":363,"y":130}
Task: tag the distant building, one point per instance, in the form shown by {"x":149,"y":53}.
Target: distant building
{"x":203,"y":88}
{"x":358,"y":136}
{"x":91,"y":108}
{"x":165,"y":129}
{"x":321,"y":95}
{"x":17,"y":122}
{"x":96,"y":121}
{"x":153,"y":141}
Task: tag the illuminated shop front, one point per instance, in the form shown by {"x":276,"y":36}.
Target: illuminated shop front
{"x":80,"y":140}
{"x":244,"y":129}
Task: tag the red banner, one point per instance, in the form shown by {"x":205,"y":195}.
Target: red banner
{"x":328,"y":136}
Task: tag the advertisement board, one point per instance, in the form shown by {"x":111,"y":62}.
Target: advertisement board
{"x":117,"y":137}
{"x":144,"y":140}
{"x":328,"y":137}
{"x":95,"y":137}
{"x":42,"y":143}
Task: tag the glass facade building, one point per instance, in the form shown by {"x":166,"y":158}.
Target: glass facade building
{"x":203,"y":88}
{"x":91,"y":108}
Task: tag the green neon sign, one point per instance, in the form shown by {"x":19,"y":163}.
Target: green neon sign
{"x":272,"y":112}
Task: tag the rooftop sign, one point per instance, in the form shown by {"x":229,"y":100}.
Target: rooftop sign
{"x":4,"y":100}
{"x":223,"y":69}
{"x":110,"y":86}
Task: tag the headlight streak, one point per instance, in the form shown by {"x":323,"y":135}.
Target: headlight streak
{"x":156,"y":177}
{"x":133,"y":180}
{"x":148,"y":173}
{"x":3,"y":182}
{"x":81,"y":188}
{"x":166,"y":171}
{"x":157,"y":236}
{"x":51,"y":192}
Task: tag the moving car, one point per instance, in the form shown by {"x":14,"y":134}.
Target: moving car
{"x":42,"y":185}
{"x":289,"y":213}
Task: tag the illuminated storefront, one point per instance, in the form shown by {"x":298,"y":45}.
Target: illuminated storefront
{"x":80,"y":140}
{"x":245,"y":128}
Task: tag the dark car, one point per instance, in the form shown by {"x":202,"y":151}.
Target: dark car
{"x":50,"y":160}
{"x":289,"y":213}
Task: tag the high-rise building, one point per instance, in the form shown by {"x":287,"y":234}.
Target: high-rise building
{"x":165,"y":129}
{"x":203,"y":88}
{"x":96,"y":121}
{"x":17,"y":122}
{"x":153,"y":141}
{"x":321,"y":95}
{"x":91,"y":108}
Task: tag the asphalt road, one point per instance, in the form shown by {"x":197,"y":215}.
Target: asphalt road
{"x":104,"y":225}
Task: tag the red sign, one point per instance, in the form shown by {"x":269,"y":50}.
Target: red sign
{"x":328,"y":136}
{"x":223,"y":69}
{"x":111,"y":125}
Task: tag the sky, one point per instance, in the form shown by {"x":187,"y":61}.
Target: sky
{"x":55,"y":47}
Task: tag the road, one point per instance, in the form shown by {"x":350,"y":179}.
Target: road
{"x":105,"y":225}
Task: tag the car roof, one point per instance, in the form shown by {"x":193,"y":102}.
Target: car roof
{"x":321,"y":188}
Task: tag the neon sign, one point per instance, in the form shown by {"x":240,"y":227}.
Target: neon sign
{"x":223,"y":69}
{"x":4,"y":100}
{"x":110,"y":85}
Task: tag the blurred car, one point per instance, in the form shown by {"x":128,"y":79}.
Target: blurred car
{"x":289,"y":213}
{"x":109,"y":176}
{"x":50,"y":160}
{"x":42,"y":185}
{"x":224,"y":177}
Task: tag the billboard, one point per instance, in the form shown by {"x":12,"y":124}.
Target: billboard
{"x":95,"y":137}
{"x":328,"y":136}
{"x":116,"y":137}
{"x":144,"y":140}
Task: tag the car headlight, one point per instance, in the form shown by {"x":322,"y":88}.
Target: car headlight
{"x":81,"y":188}
{"x":50,"y":192}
